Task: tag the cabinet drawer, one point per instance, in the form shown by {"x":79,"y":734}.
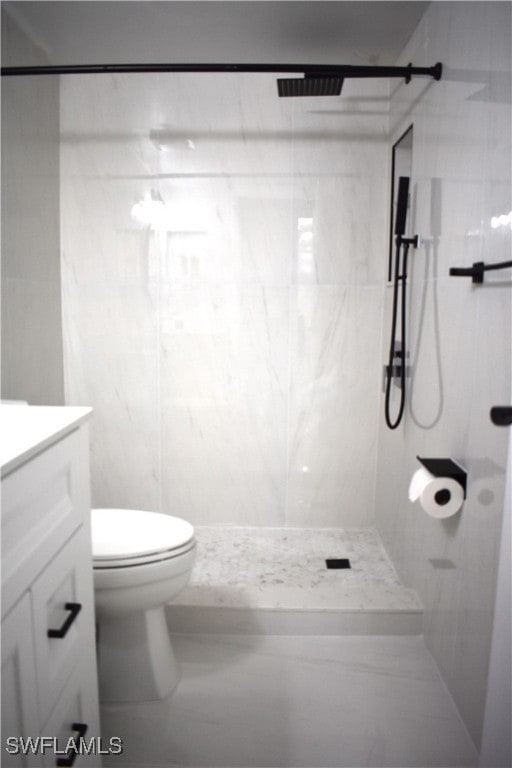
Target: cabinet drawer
{"x":43,"y":502}
{"x":75,"y":707}
{"x":62,"y":605}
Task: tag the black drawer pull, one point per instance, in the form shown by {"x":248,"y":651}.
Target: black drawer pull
{"x":81,"y":729}
{"x":74,"y":609}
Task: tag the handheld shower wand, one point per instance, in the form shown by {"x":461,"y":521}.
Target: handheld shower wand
{"x":396,"y":367}
{"x":401,"y":206}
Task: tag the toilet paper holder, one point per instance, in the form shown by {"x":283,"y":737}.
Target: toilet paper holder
{"x":445,"y":468}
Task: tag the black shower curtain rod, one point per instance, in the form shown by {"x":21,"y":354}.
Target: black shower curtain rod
{"x":308,"y":70}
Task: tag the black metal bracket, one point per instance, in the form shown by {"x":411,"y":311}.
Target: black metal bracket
{"x":501,"y":415}
{"x":414,"y":240}
{"x":436,"y":71}
{"x":446,"y":468}
{"x":476,"y":271}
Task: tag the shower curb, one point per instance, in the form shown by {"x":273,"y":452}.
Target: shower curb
{"x":202,"y":619}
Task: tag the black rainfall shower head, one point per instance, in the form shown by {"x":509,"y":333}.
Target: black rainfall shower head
{"x":310,"y":85}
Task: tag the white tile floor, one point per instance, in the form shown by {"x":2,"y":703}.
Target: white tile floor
{"x":296,"y":701}
{"x":300,"y":699}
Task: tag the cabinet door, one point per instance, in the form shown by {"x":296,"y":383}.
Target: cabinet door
{"x":75,"y":716}
{"x":43,"y":503}
{"x":19,"y":689}
{"x":63,"y":601}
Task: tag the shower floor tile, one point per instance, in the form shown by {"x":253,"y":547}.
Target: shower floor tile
{"x":285,"y":569}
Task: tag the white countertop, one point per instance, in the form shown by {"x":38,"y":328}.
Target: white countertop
{"x":27,"y":429}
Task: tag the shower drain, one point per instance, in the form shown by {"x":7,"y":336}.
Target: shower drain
{"x":338,"y":562}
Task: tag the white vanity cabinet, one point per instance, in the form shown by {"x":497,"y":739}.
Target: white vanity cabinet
{"x":49,"y":679}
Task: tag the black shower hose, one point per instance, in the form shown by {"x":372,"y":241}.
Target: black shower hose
{"x":397,"y":279}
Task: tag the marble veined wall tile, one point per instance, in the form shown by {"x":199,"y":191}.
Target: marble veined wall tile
{"x":227,"y":231}
{"x":192,"y":207}
{"x":223,"y":373}
{"x":111,"y":353}
{"x":339,"y":194}
{"x":125,"y":451}
{"x":335,"y":377}
{"x":468,"y":625}
{"x":340,"y":230}
{"x":460,"y":337}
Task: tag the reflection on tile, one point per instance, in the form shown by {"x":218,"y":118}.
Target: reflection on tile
{"x":347,"y":221}
{"x":289,"y":701}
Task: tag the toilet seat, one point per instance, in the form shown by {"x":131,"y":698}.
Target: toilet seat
{"x":123,"y":538}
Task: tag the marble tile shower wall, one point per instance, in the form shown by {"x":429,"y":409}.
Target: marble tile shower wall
{"x":223,"y":262}
{"x":459,"y":336}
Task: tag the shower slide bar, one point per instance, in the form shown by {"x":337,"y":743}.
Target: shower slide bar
{"x":321,"y":71}
{"x":476,"y":271}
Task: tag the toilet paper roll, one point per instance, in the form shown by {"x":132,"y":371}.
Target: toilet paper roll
{"x":439,"y":496}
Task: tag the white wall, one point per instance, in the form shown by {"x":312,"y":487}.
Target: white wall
{"x":32,"y":366}
{"x":497,"y":735}
{"x":232,"y":357}
{"x":459,"y":336}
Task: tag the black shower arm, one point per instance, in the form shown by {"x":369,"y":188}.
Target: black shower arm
{"x":308,"y":70}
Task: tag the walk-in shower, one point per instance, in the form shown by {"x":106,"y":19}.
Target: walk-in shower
{"x":233,"y":332}
{"x":226,"y":329}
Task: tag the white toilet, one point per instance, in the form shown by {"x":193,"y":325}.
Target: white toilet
{"x":141,"y":561}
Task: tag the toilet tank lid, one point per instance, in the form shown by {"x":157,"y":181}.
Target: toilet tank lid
{"x":121,"y":533}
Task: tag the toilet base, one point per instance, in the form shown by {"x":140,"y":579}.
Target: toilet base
{"x":135,"y":657}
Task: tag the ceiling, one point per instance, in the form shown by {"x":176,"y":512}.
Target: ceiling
{"x":129,"y":31}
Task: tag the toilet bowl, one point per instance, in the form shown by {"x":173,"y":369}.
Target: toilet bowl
{"x":141,"y":561}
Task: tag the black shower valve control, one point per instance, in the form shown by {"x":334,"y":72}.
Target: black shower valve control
{"x":394,"y":372}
